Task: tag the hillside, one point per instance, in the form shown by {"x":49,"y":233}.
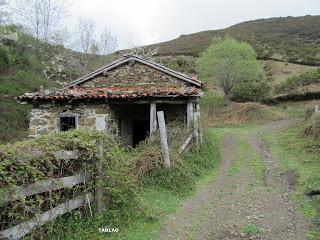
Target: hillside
{"x":290,"y":39}
{"x":26,"y":64}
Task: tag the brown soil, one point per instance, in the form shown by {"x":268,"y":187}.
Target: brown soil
{"x":220,"y":209}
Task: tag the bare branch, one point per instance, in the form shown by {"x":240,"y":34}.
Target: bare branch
{"x":4,"y":13}
{"x":108,"y":43}
{"x":86,"y":34}
{"x":143,"y":52}
{"x":42,"y":18}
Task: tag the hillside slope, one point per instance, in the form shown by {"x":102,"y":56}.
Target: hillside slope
{"x":25,"y":65}
{"x":291,"y":39}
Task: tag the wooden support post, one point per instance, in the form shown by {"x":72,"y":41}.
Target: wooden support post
{"x":164,"y":141}
{"x":100,"y":178}
{"x":196,"y":129}
{"x":199,"y":121}
{"x":189,"y":114}
{"x":153,"y":118}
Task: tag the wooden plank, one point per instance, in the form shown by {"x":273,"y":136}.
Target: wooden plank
{"x":22,"y":229}
{"x":163,"y":137}
{"x":153,"y":118}
{"x":196,"y":129}
{"x":155,"y":99}
{"x":185,"y":144}
{"x":66,"y":155}
{"x":43,"y":186}
{"x":100,"y":178}
{"x":189,"y":114}
{"x":199,"y":121}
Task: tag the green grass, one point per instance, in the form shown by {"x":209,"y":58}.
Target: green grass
{"x":246,"y":155}
{"x":298,"y":109}
{"x":300,"y":154}
{"x":252,"y":229}
{"x":163,"y":202}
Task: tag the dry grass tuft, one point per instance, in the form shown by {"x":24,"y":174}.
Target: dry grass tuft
{"x":149,"y":155}
{"x":237,"y":113}
{"x":313,"y":126}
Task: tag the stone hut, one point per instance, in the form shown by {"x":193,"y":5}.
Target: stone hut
{"x":123,"y":95}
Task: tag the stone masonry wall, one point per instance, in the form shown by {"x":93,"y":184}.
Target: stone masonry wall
{"x":136,"y":74}
{"x":46,"y":118}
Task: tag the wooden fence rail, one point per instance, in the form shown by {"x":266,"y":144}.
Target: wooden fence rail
{"x":185,"y":144}
{"x":43,"y":186}
{"x":22,"y":229}
{"x":19,"y":192}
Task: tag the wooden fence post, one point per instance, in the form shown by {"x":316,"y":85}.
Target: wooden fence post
{"x":100,"y":178}
{"x":164,"y":141}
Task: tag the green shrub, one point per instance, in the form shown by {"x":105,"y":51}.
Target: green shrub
{"x":256,"y":91}
{"x":304,"y":79}
{"x":210,"y":101}
{"x":233,"y":65}
{"x":21,"y":82}
{"x":121,"y":185}
{"x":185,"y":64}
{"x":4,"y":61}
{"x":182,"y":176}
{"x":14,"y":120}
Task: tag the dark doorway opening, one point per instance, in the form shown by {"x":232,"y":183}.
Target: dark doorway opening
{"x":140,"y":129}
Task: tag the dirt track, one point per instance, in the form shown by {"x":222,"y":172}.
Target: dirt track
{"x":223,"y":208}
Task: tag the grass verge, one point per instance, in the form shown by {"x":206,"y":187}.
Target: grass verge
{"x":297,"y":153}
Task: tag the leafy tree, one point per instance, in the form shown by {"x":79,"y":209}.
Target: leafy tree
{"x":233,"y":64}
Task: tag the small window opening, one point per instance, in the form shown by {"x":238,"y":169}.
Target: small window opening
{"x":67,"y":123}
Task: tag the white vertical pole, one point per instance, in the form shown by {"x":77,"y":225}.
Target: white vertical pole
{"x":164,"y":141}
{"x":196,"y":129}
{"x":199,"y":121}
{"x":153,"y":118}
{"x":189,"y":114}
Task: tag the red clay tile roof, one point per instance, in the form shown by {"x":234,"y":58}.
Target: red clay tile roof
{"x":111,"y":93}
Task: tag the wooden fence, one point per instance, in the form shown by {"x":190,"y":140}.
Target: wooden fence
{"x":19,"y":192}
